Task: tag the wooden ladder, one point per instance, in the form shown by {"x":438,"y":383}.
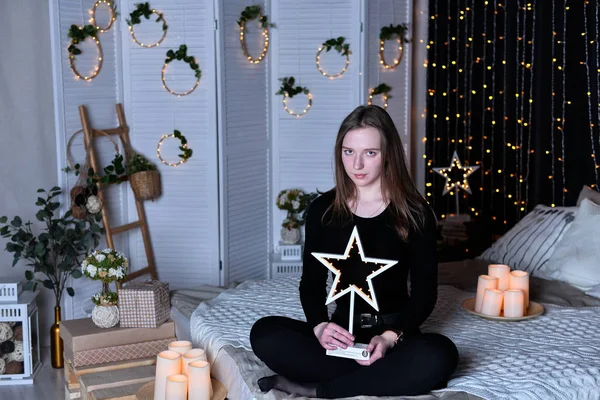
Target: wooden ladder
{"x":123,"y":132}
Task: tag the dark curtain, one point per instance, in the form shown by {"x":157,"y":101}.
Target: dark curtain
{"x":508,"y":90}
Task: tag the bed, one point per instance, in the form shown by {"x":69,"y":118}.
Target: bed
{"x":553,"y":356}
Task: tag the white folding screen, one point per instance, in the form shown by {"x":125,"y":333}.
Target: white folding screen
{"x":382,"y":13}
{"x":184,"y":222}
{"x":99,"y":96}
{"x":220,"y":204}
{"x":245,"y":145}
{"x":303,"y":147}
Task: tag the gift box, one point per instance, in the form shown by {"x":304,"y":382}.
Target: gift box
{"x":83,"y":334}
{"x":103,"y":355}
{"x":144,"y":305}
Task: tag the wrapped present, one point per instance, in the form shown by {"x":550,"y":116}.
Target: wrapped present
{"x":103,"y":355}
{"x":144,"y":305}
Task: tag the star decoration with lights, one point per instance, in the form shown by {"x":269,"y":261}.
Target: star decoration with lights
{"x":456,"y":165}
{"x":379,"y":265}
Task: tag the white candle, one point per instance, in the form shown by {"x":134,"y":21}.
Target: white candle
{"x":502,"y":272}
{"x":520,"y":280}
{"x":192,"y":355}
{"x":177,"y":387}
{"x":484,"y":282}
{"x":513,"y":303}
{"x":200,"y":387}
{"x":180,"y":346}
{"x":492,"y":302}
{"x":167,"y":363}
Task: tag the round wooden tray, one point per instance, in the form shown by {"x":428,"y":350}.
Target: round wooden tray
{"x":533,"y":311}
{"x":146,"y":392}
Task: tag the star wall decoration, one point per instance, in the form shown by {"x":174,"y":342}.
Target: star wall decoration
{"x":455,"y":164}
{"x":379,"y":265}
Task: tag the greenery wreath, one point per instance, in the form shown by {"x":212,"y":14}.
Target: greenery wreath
{"x":392,"y":32}
{"x":339,"y":46}
{"x":144,"y":10}
{"x":186,"y":152}
{"x":181,"y":55}
{"x":288,"y":90}
{"x":77,"y":35}
{"x":250,"y":13}
{"x":382,"y":89}
{"x":112,"y":7}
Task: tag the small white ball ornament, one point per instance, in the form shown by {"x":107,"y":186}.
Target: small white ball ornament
{"x":93,"y":204}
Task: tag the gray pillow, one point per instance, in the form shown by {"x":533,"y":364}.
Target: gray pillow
{"x":588,"y":193}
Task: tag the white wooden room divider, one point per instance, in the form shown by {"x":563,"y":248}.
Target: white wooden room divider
{"x":217,"y":221}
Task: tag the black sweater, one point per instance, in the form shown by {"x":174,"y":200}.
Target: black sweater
{"x":416,"y":255}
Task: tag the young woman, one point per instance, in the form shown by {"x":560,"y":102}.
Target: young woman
{"x":374,"y":193}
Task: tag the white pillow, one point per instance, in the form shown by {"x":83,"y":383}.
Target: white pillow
{"x":577,"y":257}
{"x":531,"y":242}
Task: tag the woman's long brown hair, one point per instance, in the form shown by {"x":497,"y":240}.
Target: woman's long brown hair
{"x":405,"y":202}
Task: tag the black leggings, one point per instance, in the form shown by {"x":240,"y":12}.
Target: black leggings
{"x":415,"y":366}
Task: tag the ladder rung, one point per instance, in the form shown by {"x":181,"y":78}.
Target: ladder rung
{"x":138,"y":273}
{"x":111,"y":131}
{"x":126,"y":227}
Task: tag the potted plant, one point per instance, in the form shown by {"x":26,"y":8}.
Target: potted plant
{"x":107,"y":266}
{"x":143,"y":177}
{"x":295,"y":202}
{"x":53,"y":255}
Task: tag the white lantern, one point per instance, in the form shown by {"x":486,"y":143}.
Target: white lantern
{"x":21,"y":351}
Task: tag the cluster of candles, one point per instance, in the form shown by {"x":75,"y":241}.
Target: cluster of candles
{"x":182,"y":373}
{"x":502,"y":290}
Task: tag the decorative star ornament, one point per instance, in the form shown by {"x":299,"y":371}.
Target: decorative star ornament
{"x":381,"y":265}
{"x":456,"y":165}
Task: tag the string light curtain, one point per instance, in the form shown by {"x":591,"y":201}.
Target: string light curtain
{"x":513,"y":88}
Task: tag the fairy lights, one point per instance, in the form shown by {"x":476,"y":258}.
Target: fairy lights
{"x":391,"y":32}
{"x":251,"y":13}
{"x":186,"y":152}
{"x":78,"y":35}
{"x":292,"y":112}
{"x":382,"y":89}
{"x":341,"y":48}
{"x":143,"y":9}
{"x":111,"y":10}
{"x":181,"y":54}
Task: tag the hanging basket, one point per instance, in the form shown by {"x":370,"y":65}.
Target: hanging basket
{"x":145,"y":185}
{"x":78,"y":210}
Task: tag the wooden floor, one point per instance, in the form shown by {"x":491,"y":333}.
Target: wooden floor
{"x":49,"y":383}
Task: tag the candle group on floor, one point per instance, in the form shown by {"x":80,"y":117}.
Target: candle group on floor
{"x":182,"y":373}
{"x":502,"y":291}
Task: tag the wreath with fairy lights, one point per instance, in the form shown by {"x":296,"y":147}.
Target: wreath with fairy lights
{"x":342,"y":48}
{"x":181,"y":55}
{"x":288,"y":90}
{"x":112,"y":9}
{"x":381,"y":89}
{"x":77,"y":35}
{"x":186,"y":152}
{"x":251,"y":13}
{"x":135,"y":17}
{"x":392,"y":32}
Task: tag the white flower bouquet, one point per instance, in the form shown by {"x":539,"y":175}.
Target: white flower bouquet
{"x":295,"y":202}
{"x":106,"y":265}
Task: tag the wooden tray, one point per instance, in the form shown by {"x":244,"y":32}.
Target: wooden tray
{"x":146,"y":392}
{"x":533,"y":311}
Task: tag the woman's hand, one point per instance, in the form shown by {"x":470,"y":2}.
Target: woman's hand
{"x":331,"y":336}
{"x":378,"y":347}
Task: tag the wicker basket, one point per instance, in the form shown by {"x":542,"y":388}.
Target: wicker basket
{"x":145,"y":185}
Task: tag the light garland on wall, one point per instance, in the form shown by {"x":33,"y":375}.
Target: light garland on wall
{"x":251,"y":13}
{"x":112,"y":7}
{"x":382,"y":89}
{"x":143,"y":9}
{"x":339,"y":46}
{"x":186,"y":152}
{"x":181,"y":55}
{"x":78,"y":35}
{"x":288,"y":90}
{"x":391,"y":32}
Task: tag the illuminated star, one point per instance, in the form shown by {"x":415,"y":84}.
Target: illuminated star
{"x":383,"y":266}
{"x":454,"y":166}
